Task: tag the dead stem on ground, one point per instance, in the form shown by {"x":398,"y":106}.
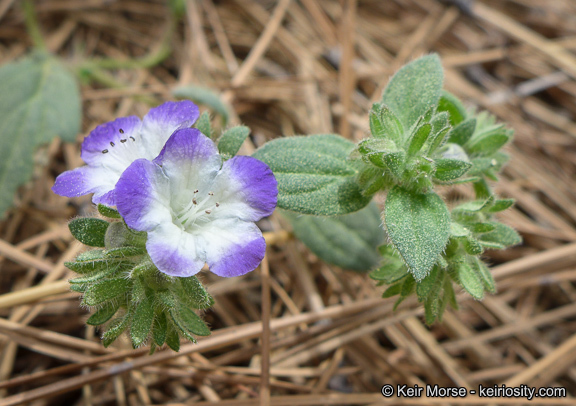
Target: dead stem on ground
{"x":300,"y":331}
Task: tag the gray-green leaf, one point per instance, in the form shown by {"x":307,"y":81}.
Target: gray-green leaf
{"x":414,"y":89}
{"x":348,"y":241}
{"x":231,"y":140}
{"x":89,"y":231}
{"x":40,"y":100}
{"x":314,"y":174}
{"x":419,"y":226}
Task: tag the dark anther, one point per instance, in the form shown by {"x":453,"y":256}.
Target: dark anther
{"x":112,"y":144}
{"x":133,"y":139}
{"x":105,"y":151}
{"x":123,"y":141}
{"x":121,"y":131}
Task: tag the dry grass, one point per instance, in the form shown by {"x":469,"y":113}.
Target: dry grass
{"x":297,"y":331}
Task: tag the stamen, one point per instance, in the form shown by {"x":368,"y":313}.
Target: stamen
{"x":121,"y":131}
{"x":194,"y":201}
{"x":133,"y":139}
{"x":210,"y":193}
{"x":105,"y":151}
{"x":207,"y":211}
{"x":196,"y":191}
{"x":112,"y":144}
{"x":217,"y":204}
{"x":123,"y":141}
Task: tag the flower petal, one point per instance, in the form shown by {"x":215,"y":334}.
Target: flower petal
{"x":232,"y":247}
{"x":245,"y":188}
{"x":191,"y":161}
{"x":173,"y":251}
{"x":142,"y":196}
{"x":114,"y":144}
{"x":160,"y":122}
{"x":84,"y":180}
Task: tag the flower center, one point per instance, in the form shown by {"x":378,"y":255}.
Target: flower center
{"x":198,"y":211}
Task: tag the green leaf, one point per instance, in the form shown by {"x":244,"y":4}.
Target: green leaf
{"x":105,"y":291}
{"x":484,"y":273}
{"x":203,"y":124}
{"x":371,"y":180}
{"x":415,"y":89}
{"x":89,"y":231}
{"x":160,"y":329}
{"x":125,"y":252}
{"x":449,"y":294}
{"x":462,"y":132}
{"x":481,"y":227}
{"x":502,"y":235}
{"x":173,"y":338}
{"x":396,"y":162}
{"x":205,"y":96}
{"x":314,"y":174}
{"x":103,"y":314}
{"x":418,"y":139}
{"x":474,"y":205}
{"x":193,"y":293}
{"x":108,"y":212}
{"x":189,"y":323}
{"x":349,"y":241}
{"x":96,"y":276}
{"x":500,"y":205}
{"x":472,"y":246}
{"x":116,"y":328}
{"x":419,"y":226}
{"x":457,"y":230}
{"x":142,"y":321}
{"x":390,"y":272}
{"x":393,"y":290}
{"x":469,"y":279}
{"x":430,"y":285}
{"x":231,"y":140}
{"x":88,"y":261}
{"x":384,"y":124}
{"x":40,"y":100}
{"x":453,"y":106}
{"x":488,"y":142}
{"x":450,"y":169}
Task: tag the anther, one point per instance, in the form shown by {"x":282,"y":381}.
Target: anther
{"x":194,"y":201}
{"x":105,"y":151}
{"x":133,"y":139}
{"x":196,"y":191}
{"x":210,"y":193}
{"x":121,"y":131}
{"x":112,"y":144}
{"x":207,"y":211}
{"x":123,"y":141}
{"x":217,"y":204}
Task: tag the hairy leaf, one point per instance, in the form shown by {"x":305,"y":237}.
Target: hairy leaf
{"x":89,"y":231}
{"x":349,"y":241}
{"x":40,"y":100}
{"x":231,"y":140}
{"x":314,"y":174}
{"x":415,"y":89}
{"x":419,"y":226}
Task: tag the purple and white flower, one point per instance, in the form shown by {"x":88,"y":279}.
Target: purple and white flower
{"x":112,"y":147}
{"x":197,"y":209}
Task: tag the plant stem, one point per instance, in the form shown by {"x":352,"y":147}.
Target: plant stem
{"x":33,"y":26}
{"x":147,"y":61}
